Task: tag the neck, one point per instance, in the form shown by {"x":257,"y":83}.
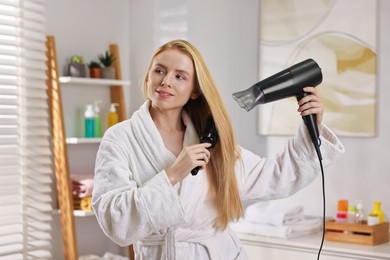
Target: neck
{"x":167,"y":120}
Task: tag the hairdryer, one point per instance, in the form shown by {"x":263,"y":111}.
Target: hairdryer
{"x":209,"y":135}
{"x":286,"y":83}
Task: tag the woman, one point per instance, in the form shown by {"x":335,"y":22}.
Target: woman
{"x":143,"y":192}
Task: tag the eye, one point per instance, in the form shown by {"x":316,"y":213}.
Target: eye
{"x":159,"y":71}
{"x":180,"y":77}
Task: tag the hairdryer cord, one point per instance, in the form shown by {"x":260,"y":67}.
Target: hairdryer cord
{"x":323,"y":204}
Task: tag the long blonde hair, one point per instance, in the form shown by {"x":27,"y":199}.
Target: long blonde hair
{"x":222,"y":178}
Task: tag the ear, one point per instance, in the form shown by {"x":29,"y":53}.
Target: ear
{"x":195,"y":94}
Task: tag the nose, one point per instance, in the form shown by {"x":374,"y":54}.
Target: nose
{"x":166,"y":82}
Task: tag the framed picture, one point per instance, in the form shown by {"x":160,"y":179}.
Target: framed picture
{"x":340,"y":35}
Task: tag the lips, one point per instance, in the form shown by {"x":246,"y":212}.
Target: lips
{"x":163,"y":93}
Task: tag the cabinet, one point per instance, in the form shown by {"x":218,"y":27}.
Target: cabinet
{"x":68,"y":142}
{"x":306,"y":248}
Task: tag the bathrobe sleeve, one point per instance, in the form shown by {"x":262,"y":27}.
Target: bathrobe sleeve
{"x":291,"y":170}
{"x":128,"y":212}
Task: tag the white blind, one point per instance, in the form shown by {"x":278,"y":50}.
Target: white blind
{"x":25,"y":153}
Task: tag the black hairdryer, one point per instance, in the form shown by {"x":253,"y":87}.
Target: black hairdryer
{"x":286,"y":83}
{"x":209,"y":135}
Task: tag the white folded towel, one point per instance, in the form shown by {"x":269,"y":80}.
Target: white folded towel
{"x":303,"y":227}
{"x":273,"y":214}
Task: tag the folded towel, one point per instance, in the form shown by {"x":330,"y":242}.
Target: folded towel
{"x":82,"y":185}
{"x":273,"y":214}
{"x":303,"y":227}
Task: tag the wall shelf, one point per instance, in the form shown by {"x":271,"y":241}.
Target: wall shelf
{"x":60,"y":157}
{"x":82,"y":140}
{"x":83,"y":213}
{"x":93,"y":82}
{"x":78,"y":213}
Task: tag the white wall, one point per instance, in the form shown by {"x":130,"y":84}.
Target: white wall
{"x":226,"y":32}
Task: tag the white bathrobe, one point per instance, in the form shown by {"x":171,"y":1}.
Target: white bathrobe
{"x":135,"y":203}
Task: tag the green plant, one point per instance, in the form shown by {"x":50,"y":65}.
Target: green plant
{"x":106,"y":59}
{"x":77,"y":59}
{"x":94,"y":64}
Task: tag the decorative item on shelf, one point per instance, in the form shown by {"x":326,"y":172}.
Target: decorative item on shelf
{"x":357,"y":233}
{"x":107,"y":59}
{"x":97,"y":119}
{"x":112,"y":117}
{"x":89,"y":121}
{"x":95,"y":69}
{"x":77,"y":67}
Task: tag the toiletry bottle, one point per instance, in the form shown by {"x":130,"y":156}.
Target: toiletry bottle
{"x":342,"y":210}
{"x":89,"y":121}
{"x":352,"y":214}
{"x":112,"y":117}
{"x":372,"y":219}
{"x":360,"y":215}
{"x":377,"y":211}
{"x":97,"y":119}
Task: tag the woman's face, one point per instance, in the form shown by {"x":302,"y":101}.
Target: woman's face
{"x":171,"y":80}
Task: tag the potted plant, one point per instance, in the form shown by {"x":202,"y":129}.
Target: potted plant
{"x":107,"y":59}
{"x":95,"y":69}
{"x":77,"y":68}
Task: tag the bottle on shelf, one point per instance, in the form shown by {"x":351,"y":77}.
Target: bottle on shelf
{"x":112,"y":117}
{"x":342,"y":211}
{"x":352,"y":210}
{"x":360,"y":215}
{"x":97,"y":119}
{"x":89,"y":121}
{"x":377,"y":211}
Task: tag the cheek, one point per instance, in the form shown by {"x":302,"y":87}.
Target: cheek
{"x":153,"y":80}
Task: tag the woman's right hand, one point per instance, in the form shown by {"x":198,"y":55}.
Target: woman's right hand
{"x":189,"y":158}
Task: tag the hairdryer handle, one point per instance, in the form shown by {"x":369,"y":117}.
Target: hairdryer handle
{"x":312,"y":127}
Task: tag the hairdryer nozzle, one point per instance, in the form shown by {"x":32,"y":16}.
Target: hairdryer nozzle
{"x":249,"y":98}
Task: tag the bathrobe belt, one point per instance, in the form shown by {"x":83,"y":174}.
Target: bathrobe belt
{"x":175,"y":235}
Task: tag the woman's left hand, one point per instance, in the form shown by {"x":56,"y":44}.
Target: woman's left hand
{"x":311,"y":104}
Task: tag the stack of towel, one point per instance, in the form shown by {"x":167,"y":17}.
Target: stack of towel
{"x":267,"y":219}
{"x":82,"y":185}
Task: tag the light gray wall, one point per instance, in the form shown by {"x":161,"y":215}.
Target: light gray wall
{"x":226,"y":32}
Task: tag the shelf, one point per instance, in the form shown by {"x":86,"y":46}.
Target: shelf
{"x":92,"y":81}
{"x":82,"y":140}
{"x":83,"y":213}
{"x":78,"y":213}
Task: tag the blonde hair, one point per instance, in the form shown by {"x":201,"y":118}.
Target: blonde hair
{"x":221,"y":174}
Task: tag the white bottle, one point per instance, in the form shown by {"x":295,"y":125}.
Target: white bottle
{"x":360,"y":215}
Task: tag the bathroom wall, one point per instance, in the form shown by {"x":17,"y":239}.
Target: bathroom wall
{"x":226,"y":32}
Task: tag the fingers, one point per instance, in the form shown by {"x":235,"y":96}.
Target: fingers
{"x":189,"y":158}
{"x":199,"y":154}
{"x":311,"y":104}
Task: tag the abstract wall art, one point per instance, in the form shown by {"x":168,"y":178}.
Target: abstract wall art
{"x":340,"y":35}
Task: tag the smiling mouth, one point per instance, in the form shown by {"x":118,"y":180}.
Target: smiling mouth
{"x":164,"y":94}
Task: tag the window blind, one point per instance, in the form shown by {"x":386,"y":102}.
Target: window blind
{"x":25,"y":153}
